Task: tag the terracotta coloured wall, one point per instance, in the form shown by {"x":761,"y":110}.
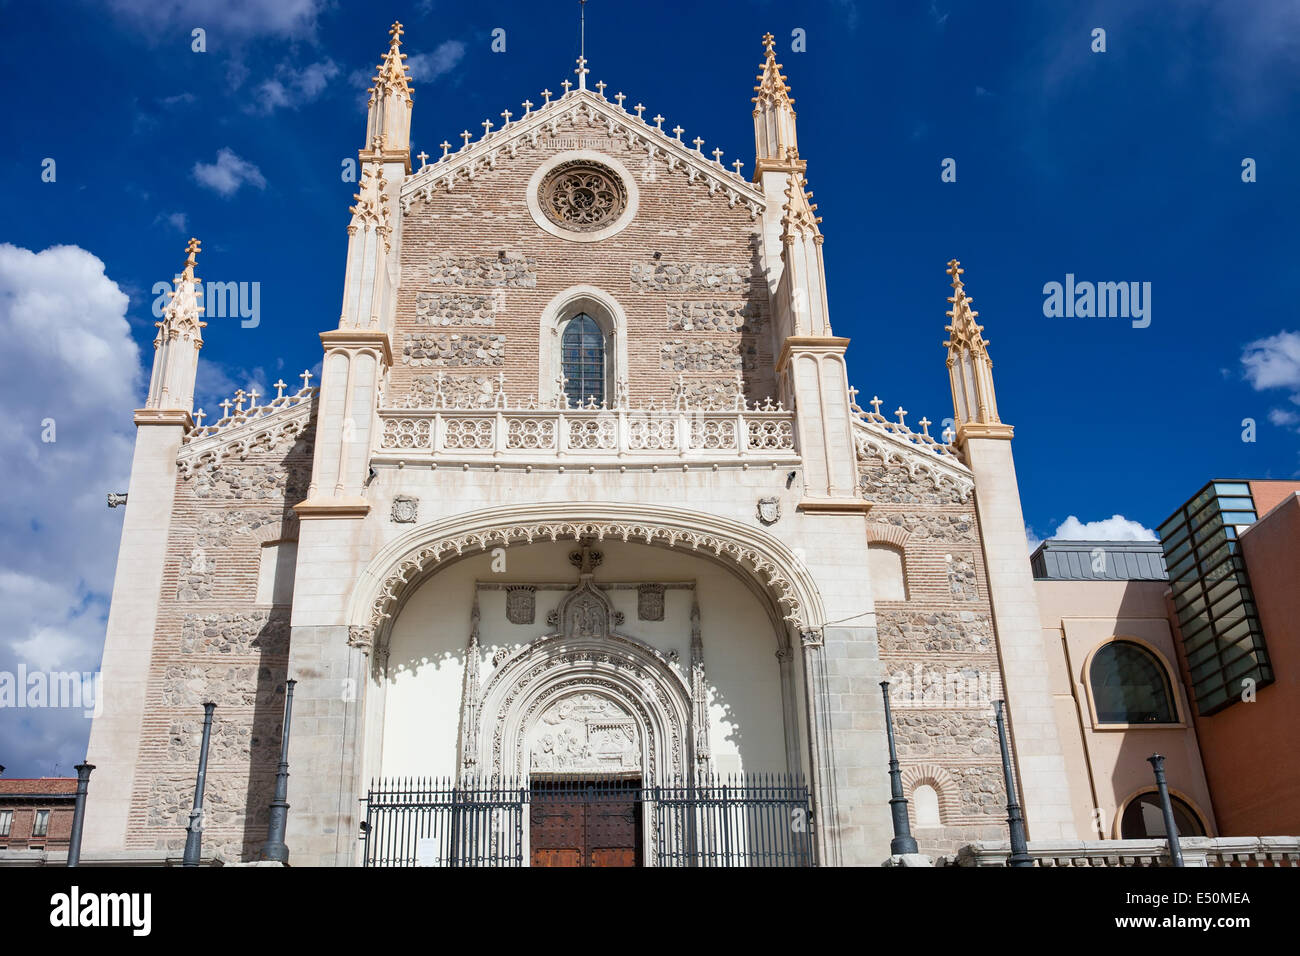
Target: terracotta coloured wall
{"x":1250,"y":753}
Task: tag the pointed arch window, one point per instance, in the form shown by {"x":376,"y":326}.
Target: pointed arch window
{"x":583,"y":360}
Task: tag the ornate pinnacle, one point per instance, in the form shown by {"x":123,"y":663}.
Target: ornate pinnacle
{"x":769,"y":44}
{"x":395,"y":31}
{"x":191,"y":251}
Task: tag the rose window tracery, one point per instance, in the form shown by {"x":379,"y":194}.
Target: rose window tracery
{"x":582,"y":196}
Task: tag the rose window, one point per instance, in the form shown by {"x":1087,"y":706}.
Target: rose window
{"x":582,"y":196}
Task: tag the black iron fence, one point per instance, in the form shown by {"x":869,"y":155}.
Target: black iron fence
{"x":756,"y":820}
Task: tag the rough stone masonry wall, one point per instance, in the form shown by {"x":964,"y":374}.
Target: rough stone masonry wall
{"x":477,"y":273}
{"x":215,"y":642}
{"x":939,"y":652}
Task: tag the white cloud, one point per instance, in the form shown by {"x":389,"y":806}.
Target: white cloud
{"x":427,"y":67}
{"x":1273,"y":362}
{"x":228,"y":173}
{"x":238,"y":20}
{"x":1114,"y":528}
{"x":69,"y":359}
{"x":293,"y":87}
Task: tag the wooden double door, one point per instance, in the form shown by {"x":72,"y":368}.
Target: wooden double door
{"x":576,"y":825}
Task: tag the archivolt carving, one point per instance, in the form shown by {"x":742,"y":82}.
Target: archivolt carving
{"x":757,"y":561}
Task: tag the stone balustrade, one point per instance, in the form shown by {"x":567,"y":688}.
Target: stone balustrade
{"x":1197,"y":851}
{"x":760,"y":433}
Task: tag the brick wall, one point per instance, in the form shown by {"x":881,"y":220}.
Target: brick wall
{"x":215,"y":642}
{"x":700,"y":310}
{"x":939,"y":651}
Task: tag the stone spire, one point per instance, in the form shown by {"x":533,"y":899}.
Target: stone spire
{"x":970,"y":370}
{"x":388,"y":122}
{"x":177,"y":344}
{"x":775,"y":143}
{"x":802,"y":307}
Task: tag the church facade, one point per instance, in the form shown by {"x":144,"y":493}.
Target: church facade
{"x":583,"y":490}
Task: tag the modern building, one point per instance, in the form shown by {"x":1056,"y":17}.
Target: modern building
{"x":1183,"y":647}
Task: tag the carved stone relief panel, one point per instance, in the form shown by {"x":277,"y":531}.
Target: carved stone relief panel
{"x":587,"y":732}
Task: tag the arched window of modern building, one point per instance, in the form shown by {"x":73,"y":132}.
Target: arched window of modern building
{"x":583,"y":360}
{"x":885,"y":565}
{"x":925,"y":803}
{"x":1130,"y":685}
{"x":1143,"y":819}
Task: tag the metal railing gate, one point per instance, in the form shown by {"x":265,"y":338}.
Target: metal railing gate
{"x":758,"y":820}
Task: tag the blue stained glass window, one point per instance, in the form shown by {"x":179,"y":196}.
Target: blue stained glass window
{"x":583,"y":360}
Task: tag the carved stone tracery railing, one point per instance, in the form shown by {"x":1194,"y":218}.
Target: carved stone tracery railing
{"x":554,"y":433}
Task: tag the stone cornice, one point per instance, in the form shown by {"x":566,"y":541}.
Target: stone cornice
{"x":358,"y":339}
{"x":997,"y":430}
{"x":561,"y":112}
{"x":332,"y":508}
{"x":819,"y":343}
{"x":834,"y":506}
{"x":163,"y":416}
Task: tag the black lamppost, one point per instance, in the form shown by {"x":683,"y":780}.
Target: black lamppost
{"x":1015,"y":818}
{"x":194,"y":832}
{"x":275,"y":848}
{"x":1167,"y":808}
{"x":902,"y":841}
{"x":79,"y":812}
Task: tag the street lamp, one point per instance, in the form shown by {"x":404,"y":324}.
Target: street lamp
{"x":1015,"y":818}
{"x":902,"y":841}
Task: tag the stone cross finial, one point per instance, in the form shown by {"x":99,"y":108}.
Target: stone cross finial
{"x":875,"y":404}
{"x":465,"y":135}
{"x":582,"y":72}
{"x":769,"y":42}
{"x":199,"y":416}
{"x":853,"y":395}
{"x":487,"y":127}
{"x":717,"y":156}
{"x":925,"y":427}
{"x":955,"y":270}
{"x":506,"y":115}
{"x":737,"y":164}
{"x":239,"y":399}
{"x":639,"y":110}
{"x":279,"y":387}
{"x":423,"y":157}
{"x":567,"y":84}
{"x":395,"y":31}
{"x":698,"y":141}
{"x":600,"y":87}
{"x":306,"y":379}
{"x":619,"y":97}
{"x":225,"y":407}
{"x":677,"y":131}
{"x":659,"y":122}
{"x":528,"y":106}
{"x":900,"y":411}
{"x":253,"y":396}
{"x":548,"y":94}
{"x":446,"y":148}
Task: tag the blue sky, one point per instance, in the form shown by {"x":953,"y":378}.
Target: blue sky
{"x":1117,"y":166}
